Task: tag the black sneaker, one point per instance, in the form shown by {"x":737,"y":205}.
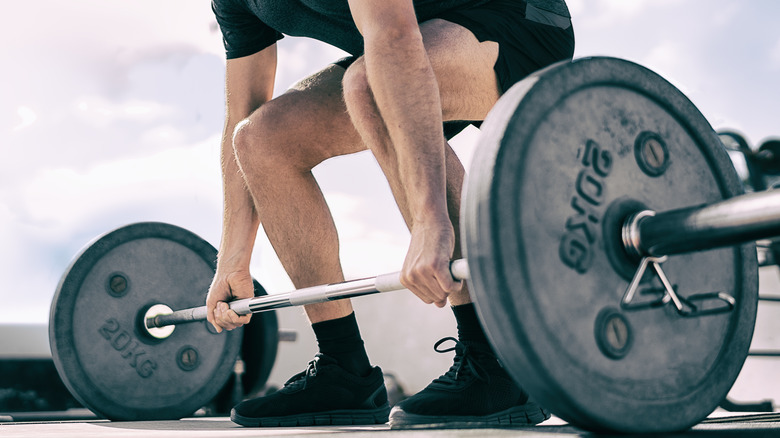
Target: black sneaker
{"x":324,"y":394}
{"x":475,"y":392}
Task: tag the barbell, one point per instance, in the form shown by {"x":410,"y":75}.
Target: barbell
{"x":646,"y":236}
{"x":607,"y":245}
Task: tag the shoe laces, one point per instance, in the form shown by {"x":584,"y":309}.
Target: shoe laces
{"x":300,"y":380}
{"x":464,"y":367}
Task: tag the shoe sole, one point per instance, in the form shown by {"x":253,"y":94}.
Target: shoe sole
{"x":528,"y":414}
{"x":328,"y":418}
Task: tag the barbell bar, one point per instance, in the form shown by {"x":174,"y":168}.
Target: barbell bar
{"x":645,"y":233}
{"x":299,"y":297}
{"x":734,"y":221}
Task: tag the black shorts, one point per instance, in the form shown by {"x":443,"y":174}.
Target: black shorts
{"x":528,"y":38}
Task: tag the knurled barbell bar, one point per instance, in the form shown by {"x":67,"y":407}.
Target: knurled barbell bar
{"x":604,"y":244}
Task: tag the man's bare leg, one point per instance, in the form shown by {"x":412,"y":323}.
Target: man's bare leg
{"x":278,"y":145}
{"x":276,"y":148}
{"x":468,"y":89}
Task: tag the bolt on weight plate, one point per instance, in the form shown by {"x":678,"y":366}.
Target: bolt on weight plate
{"x":651,"y":153}
{"x":103,"y":356}
{"x":613,"y":333}
{"x":561,"y":152}
{"x":187,"y":358}
{"x":117,"y":284}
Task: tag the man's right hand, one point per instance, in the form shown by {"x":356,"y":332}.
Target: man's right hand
{"x":228,"y":285}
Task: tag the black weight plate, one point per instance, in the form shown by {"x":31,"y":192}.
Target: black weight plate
{"x":258,"y":351}
{"x":554,"y":169}
{"x":260,"y":346}
{"x":105,"y":361}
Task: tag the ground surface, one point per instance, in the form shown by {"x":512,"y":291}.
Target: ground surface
{"x":720,"y":425}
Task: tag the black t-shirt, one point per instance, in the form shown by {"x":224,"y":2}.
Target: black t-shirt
{"x":249,"y":26}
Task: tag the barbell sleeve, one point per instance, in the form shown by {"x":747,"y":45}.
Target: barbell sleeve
{"x":730,"y":222}
{"x":299,"y":297}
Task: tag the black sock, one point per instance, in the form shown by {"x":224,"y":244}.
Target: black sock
{"x":340,"y":339}
{"x":469,"y":327}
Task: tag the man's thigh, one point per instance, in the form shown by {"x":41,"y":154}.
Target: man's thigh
{"x":479,"y":53}
{"x":464,"y":69}
{"x":310,"y":121}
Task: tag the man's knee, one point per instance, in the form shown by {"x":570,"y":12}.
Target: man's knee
{"x":262,"y":140}
{"x":248,"y":138}
{"x":357,"y":91}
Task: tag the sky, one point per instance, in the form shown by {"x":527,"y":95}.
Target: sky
{"x":111,"y":113}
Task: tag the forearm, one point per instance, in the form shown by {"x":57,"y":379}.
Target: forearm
{"x":249,"y":83}
{"x":240,"y":221}
{"x":406,"y":93}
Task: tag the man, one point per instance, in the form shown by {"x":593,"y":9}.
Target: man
{"x":415,"y":64}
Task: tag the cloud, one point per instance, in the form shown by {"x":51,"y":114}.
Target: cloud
{"x":116,"y":82}
{"x":301,"y":57}
{"x":97,"y":111}
{"x":667,"y":58}
{"x":610,"y":13}
{"x":161,"y":102}
{"x":368,"y":247}
{"x":60,"y":199}
{"x":108,"y":27}
{"x":44,"y":221}
{"x":27,"y":116}
{"x":725,"y":15}
{"x":774,"y":56}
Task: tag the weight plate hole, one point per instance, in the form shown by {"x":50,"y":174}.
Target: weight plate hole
{"x":154,"y":334}
{"x":612,"y":228}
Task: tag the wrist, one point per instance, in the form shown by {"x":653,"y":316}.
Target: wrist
{"x":232,"y":262}
{"x":432,"y":217}
{"x":434,"y":225}
{"x":235,"y":251}
{"x":238,"y":238}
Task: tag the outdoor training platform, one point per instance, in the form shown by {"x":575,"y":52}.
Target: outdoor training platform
{"x":718,"y":425}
